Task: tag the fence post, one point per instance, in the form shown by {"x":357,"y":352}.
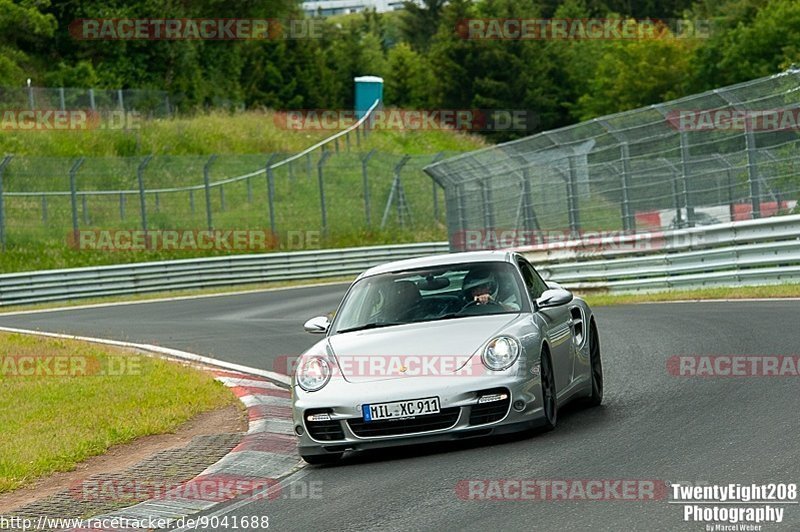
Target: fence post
{"x":207,"y":187}
{"x":91,"y":99}
{"x":687,"y":198}
{"x":62,"y":99}
{"x":73,"y":196}
{"x":462,"y":209}
{"x":3,"y":164}
{"x":142,"y":199}
{"x":122,"y":206}
{"x":436,"y":158}
{"x":729,"y":184}
{"x":365,"y":180}
{"x":676,"y":198}
{"x":191,"y":200}
{"x":271,"y":193}
{"x":120,"y":101}
{"x":752,"y":171}
{"x":572,"y":199}
{"x":397,"y":190}
{"x":628,"y":221}
{"x":531,"y":223}
{"x":488,"y":210}
{"x":158,"y":203}
{"x":31,"y":102}
{"x":323,"y":211}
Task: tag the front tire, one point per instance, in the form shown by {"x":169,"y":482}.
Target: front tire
{"x":549,"y":397}
{"x":595,"y":368}
{"x":322,"y":459}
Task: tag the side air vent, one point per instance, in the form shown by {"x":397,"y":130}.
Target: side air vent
{"x":578,"y":327}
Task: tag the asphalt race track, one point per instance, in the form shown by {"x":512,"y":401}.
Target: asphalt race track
{"x":653,"y":426}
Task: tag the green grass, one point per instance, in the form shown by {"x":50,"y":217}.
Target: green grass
{"x":739,"y":292}
{"x":250,"y":132}
{"x":51,"y":423}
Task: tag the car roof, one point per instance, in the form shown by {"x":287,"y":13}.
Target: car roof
{"x":443,"y":259}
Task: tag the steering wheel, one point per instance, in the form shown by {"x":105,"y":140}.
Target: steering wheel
{"x":475,"y":303}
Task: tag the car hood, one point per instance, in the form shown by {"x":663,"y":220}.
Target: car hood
{"x":423,"y":348}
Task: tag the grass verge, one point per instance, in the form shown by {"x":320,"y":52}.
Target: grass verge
{"x":63,"y":401}
{"x":739,"y":292}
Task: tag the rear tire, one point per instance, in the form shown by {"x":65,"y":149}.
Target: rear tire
{"x":322,"y":459}
{"x":595,"y":368}
{"x":549,"y":396}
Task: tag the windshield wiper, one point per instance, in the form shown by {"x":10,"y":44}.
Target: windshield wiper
{"x":450,"y":316}
{"x":371,"y":325}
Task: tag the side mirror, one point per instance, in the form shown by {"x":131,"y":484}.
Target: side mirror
{"x":555,"y":297}
{"x":318,"y":325}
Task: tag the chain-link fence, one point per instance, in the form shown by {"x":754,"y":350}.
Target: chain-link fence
{"x":144,"y":102}
{"x":723,"y":155}
{"x":334,"y":192}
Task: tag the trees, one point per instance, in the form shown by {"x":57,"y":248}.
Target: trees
{"x":21,"y":26}
{"x":753,"y":38}
{"x":424,"y":60}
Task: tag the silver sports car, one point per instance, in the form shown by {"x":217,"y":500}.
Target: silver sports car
{"x":443,"y":348}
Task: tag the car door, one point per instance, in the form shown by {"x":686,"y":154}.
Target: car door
{"x":556,"y":326}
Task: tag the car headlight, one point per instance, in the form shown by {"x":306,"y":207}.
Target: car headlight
{"x":313,"y":373}
{"x":500,"y":353}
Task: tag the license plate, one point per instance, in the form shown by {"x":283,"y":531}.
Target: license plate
{"x":400,"y":409}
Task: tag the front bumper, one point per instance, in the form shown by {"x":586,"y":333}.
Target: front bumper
{"x":342,"y":401}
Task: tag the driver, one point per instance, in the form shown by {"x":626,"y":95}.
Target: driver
{"x":480,"y":286}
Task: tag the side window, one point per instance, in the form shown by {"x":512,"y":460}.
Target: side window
{"x":533,"y":282}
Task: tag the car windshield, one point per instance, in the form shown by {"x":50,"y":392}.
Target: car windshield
{"x":431,"y":294}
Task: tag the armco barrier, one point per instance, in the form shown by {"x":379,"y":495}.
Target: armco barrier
{"x":765,"y":251}
{"x":61,"y":285}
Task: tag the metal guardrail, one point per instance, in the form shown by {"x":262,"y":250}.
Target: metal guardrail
{"x":753,"y":252}
{"x":61,"y":285}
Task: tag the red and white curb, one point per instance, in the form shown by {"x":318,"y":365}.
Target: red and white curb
{"x":267,"y":452}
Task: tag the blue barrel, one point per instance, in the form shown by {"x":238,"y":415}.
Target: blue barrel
{"x":368,"y":89}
